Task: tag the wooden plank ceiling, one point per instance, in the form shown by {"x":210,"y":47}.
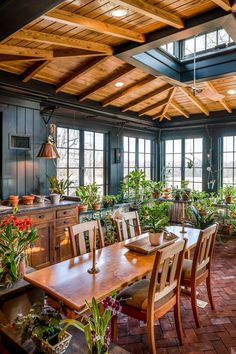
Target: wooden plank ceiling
{"x":71,"y":48}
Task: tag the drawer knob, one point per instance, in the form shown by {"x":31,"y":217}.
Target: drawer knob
{"x":41,"y":216}
{"x":65,"y":212}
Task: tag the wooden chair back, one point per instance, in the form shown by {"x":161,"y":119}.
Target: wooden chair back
{"x":204,"y":249}
{"x":128,"y":227}
{"x":167,"y":271}
{"x":81,"y":236}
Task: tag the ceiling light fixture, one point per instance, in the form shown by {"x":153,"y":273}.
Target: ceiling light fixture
{"x":231,"y":92}
{"x":119,"y":84}
{"x":119,"y":12}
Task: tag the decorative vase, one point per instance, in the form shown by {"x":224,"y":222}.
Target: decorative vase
{"x":156,"y":238}
{"x":83,"y":208}
{"x":44,"y":347}
{"x":96,"y":206}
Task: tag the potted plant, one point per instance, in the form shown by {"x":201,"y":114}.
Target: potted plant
{"x":166,"y":192}
{"x":186,"y":192}
{"x":157,"y":188}
{"x":133,"y":187}
{"x":96,"y":328}
{"x":59,"y":186}
{"x":16,"y":236}
{"x":94,"y":199}
{"x":109,"y":200}
{"x":176,"y":193}
{"x":201,"y":220}
{"x":83,"y":193}
{"x":229,"y":193}
{"x":154,"y":218}
{"x":42,"y":325}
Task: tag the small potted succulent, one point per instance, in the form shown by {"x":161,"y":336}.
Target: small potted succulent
{"x":42,"y":325}
{"x":59,"y":186}
{"x":154,"y":218}
{"x":16,"y":237}
{"x":229,"y":193}
{"x":109,"y":200}
{"x":83,"y":193}
{"x":96,"y":330}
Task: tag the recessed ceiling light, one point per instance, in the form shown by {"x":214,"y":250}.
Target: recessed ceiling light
{"x":231,"y":92}
{"x":119,"y":84}
{"x":119,"y":12}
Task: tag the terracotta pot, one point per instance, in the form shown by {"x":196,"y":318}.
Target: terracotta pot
{"x":228,"y":200}
{"x":83,"y":208}
{"x":156,"y":238}
{"x":97,"y":206}
{"x":13,"y":200}
{"x":227,"y":229}
{"x":156,"y":194}
{"x":28,"y":199}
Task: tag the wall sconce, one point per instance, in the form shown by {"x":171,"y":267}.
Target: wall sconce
{"x":117,"y":155}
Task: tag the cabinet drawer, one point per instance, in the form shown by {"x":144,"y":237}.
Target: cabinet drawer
{"x":65,"y":213}
{"x":42,"y":217}
{"x":66,"y":222}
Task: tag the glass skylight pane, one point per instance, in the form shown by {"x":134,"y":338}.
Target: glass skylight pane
{"x":223,"y":36}
{"x":211,"y":40}
{"x":170,"y":48}
{"x":189,"y":46}
{"x":200,"y":43}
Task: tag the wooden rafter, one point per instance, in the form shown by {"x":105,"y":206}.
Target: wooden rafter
{"x":153,"y":106}
{"x":71,"y":52}
{"x":222,"y":101}
{"x":30,"y":72}
{"x":195,"y":100}
{"x":180,"y":109}
{"x":56,"y":40}
{"x":153,"y":11}
{"x":234,"y":6}
{"x":91,"y":64}
{"x":149,"y":95}
{"x":69,"y":18}
{"x":128,"y":90}
{"x":164,"y":113}
{"x":25,"y":51}
{"x":225,"y":4}
{"x":107,"y":81}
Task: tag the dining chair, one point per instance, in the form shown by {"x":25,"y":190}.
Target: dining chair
{"x":128,"y":226}
{"x":198,"y":269}
{"x":81,"y":236}
{"x":149,"y":299}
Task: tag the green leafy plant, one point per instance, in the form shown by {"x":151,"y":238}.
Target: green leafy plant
{"x":83,"y":193}
{"x":202,"y":221}
{"x":154,"y":218}
{"x":176,"y":193}
{"x":42,"y":322}
{"x":229,"y":191}
{"x":96,"y":330}
{"x":59,"y":186}
{"x":88,"y":194}
{"x":16,"y":236}
{"x":109,"y":200}
{"x":157,"y":186}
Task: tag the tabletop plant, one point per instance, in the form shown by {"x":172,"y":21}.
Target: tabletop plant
{"x":154,"y":218}
{"x":96,"y":325}
{"x":186,"y":191}
{"x":156,"y":188}
{"x":83,"y":193}
{"x":202,"y":220}
{"x":229,"y":193}
{"x":109,"y":200}
{"x":59,"y":185}
{"x":176,"y":193}
{"x":16,"y":236}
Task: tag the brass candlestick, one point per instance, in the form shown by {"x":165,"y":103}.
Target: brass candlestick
{"x":182,"y":219}
{"x":94,"y":270}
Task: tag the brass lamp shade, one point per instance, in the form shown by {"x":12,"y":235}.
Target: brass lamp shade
{"x":48,"y":151}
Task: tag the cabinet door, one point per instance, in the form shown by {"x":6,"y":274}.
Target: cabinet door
{"x":62,"y":246}
{"x":40,"y":255}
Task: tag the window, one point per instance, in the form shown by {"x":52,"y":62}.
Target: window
{"x":169,"y":48}
{"x":81,"y":163}
{"x":229,"y":163}
{"x":138,"y":154}
{"x":183,"y":161}
{"x":173,"y":157}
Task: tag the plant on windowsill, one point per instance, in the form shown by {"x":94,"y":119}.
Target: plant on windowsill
{"x":83,"y":193}
{"x":16,"y":237}
{"x":135,"y":188}
{"x":96,"y":327}
{"x":59,"y":186}
{"x":229,"y":193}
{"x":186,"y":192}
{"x":109,"y":200}
{"x":176,"y":193}
{"x":156,"y":188}
{"x":154,"y":218}
{"x":42,"y":325}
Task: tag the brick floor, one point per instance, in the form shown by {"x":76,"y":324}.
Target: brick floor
{"x":218,"y":331}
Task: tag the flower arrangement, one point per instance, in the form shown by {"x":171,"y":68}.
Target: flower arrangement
{"x":96,"y":327}
{"x":16,"y":236}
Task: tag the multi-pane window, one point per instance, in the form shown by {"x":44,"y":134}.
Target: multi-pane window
{"x":81,"y":163}
{"x":173,"y":158}
{"x":68,"y":143}
{"x":183,"y":161}
{"x":137,"y":154}
{"x":193,"y":163}
{"x":229,"y":163}
{"x":169,"y":48}
{"x":94,"y":159}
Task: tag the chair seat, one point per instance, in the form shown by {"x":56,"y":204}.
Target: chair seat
{"x":136,"y":295}
{"x":187,"y":269}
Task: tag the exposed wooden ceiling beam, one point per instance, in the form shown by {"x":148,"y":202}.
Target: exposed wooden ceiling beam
{"x":180,"y":109}
{"x":128,"y":90}
{"x":128,"y":69}
{"x":149,"y":95}
{"x":234,"y":6}
{"x":53,"y":39}
{"x":222,"y":101}
{"x":153,"y":106}
{"x":195,"y":100}
{"x":153,"y":11}
{"x":30,"y":72}
{"x":91,"y":64}
{"x":71,"y":52}
{"x":25,"y":51}
{"x":69,"y":18}
{"x":164,"y":113}
{"x":225,"y":4}
{"x":16,"y":58}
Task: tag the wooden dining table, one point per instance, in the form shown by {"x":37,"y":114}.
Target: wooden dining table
{"x":70,"y":283}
